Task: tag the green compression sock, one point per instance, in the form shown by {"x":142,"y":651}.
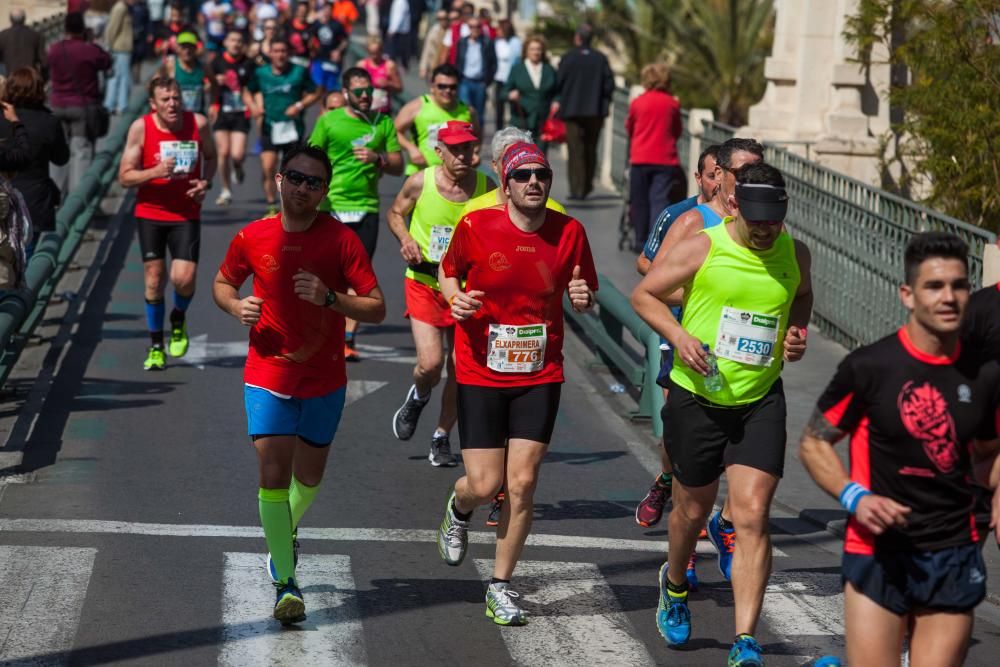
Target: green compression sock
{"x":300,"y":497}
{"x":276,"y":518}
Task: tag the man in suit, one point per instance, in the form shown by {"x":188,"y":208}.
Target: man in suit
{"x":477,"y":65}
{"x":21,"y":46}
{"x":585,"y":85}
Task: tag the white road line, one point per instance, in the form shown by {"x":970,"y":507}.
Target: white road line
{"x":574,"y":618}
{"x":330,"y":534}
{"x":331,"y":635}
{"x":43,"y":593}
{"x":806,"y":610}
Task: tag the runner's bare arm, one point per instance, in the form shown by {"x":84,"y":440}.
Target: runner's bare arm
{"x":393,"y":163}
{"x":685,"y":227}
{"x":227,"y":297}
{"x":208,"y":153}
{"x":664,"y":278}
{"x":130,"y":171}
{"x":401,"y":207}
{"x":404,"y":123}
{"x":874,"y":512}
{"x":368,"y":308}
{"x":801,"y":310}
{"x":310,"y":99}
{"x":463,"y":304}
{"x":394,"y":82}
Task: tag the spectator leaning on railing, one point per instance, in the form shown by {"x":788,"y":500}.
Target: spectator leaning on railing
{"x":74,"y":64}
{"x":25,"y":91}
{"x":21,"y":45}
{"x":654,"y":124}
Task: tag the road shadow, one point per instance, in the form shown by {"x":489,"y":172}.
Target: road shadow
{"x":582,"y":458}
{"x":581,"y":509}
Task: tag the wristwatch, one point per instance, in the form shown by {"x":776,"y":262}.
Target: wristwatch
{"x":331,"y":298}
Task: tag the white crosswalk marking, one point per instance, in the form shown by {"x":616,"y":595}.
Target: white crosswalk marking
{"x":574,"y":618}
{"x":332,"y":634}
{"x":43,"y":593}
{"x":806,"y":609}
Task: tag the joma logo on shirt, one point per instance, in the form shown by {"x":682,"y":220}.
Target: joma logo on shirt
{"x":291,"y":248}
{"x":525,"y":248}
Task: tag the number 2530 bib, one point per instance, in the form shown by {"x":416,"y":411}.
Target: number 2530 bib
{"x":746,"y":337}
{"x":516,"y":349}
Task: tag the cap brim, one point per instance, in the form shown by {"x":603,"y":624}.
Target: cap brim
{"x":455,"y":139}
{"x":763,"y":210}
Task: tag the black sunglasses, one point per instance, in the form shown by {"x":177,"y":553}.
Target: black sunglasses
{"x":524,"y":175}
{"x":297,"y":178}
{"x":446,"y":86}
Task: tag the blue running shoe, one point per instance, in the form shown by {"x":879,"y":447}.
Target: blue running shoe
{"x":673,"y":619}
{"x":289,"y":607}
{"x":725,"y":544}
{"x":746,"y":652}
{"x":691,"y":573}
{"x":273,"y":571}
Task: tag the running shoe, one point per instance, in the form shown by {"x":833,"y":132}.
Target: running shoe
{"x":440,"y":454}
{"x":650,"y":510}
{"x":501,"y":605}
{"x":725,"y":543}
{"x":495,"y":508}
{"x":178,"y":345}
{"x":746,"y":652}
{"x":290,"y":606}
{"x":453,"y":535}
{"x":404,"y":422}
{"x":272,"y":570}
{"x":691,"y":573}
{"x":225,"y":198}
{"x":673,"y":618}
{"x":272,"y":210}
{"x":156,"y":360}
{"x":238,"y":172}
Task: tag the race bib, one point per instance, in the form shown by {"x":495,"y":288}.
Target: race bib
{"x":231,"y":101}
{"x":185,"y":154}
{"x":432,"y":134}
{"x":300,"y":61}
{"x":516,"y":349}
{"x":284,"y":132}
{"x":380,"y":100}
{"x":362,"y":141}
{"x":440,"y":238}
{"x":350,"y":217}
{"x":191,"y":99}
{"x":746,"y":337}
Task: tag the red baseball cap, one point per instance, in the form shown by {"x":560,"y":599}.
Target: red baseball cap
{"x":456,"y":132}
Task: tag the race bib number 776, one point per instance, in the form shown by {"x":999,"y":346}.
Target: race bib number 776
{"x":516,"y":348}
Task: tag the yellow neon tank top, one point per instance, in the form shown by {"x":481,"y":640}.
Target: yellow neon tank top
{"x":738,"y":303}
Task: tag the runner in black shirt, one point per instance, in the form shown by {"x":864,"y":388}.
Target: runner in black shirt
{"x":981,"y":324}
{"x":921,"y":410}
{"x":329,"y":41}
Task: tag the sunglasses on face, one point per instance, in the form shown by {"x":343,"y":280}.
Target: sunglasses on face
{"x":297,"y":178}
{"x":358,"y":92}
{"x":446,"y":86}
{"x":524,"y":175}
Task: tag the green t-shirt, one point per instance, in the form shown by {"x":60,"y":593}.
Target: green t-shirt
{"x":281,"y":91}
{"x":354,"y":186}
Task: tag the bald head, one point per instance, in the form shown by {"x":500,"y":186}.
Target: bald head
{"x":17,"y":16}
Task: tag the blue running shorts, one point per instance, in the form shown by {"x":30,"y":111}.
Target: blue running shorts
{"x":325,"y":73}
{"x":314,"y":420}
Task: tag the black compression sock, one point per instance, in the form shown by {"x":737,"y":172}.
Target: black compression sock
{"x":494,"y":580}
{"x":176,"y":317}
{"x":157,"y":338}
{"x":461,"y":516}
{"x":724,"y":524}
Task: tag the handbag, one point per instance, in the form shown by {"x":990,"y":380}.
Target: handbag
{"x":553,"y":130}
{"x":96,"y":119}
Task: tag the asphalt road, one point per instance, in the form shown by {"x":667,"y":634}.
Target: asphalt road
{"x":136,"y":538}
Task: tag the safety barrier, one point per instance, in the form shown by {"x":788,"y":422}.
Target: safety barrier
{"x":21,"y":311}
{"x":605,"y":329}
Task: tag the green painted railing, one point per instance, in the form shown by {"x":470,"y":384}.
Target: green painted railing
{"x":21,"y":311}
{"x":605,"y":328}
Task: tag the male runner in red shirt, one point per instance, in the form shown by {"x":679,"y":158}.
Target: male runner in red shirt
{"x":517,"y":261}
{"x":921,"y":411}
{"x":302,"y":262}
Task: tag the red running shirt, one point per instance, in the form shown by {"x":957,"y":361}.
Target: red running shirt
{"x":297,"y":348}
{"x":165,"y":199}
{"x":524,"y":276}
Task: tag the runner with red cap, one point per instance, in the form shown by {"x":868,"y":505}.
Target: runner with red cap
{"x":516,"y":260}
{"x":435,"y":197}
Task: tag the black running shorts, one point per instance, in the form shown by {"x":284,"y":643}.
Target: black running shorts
{"x":702,"y":438}
{"x":489,"y":416}
{"x":367,"y":231}
{"x":948,"y":580}
{"x":182,"y":238}
{"x":232,"y":121}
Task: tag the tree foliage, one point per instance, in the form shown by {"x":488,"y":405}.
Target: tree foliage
{"x":716,"y":48}
{"x":945,"y":59}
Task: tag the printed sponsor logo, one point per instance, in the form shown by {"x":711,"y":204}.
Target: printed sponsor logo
{"x":499,"y":261}
{"x":269,"y":263}
{"x":291,"y":248}
{"x":765,"y":321}
{"x":525,"y":248}
{"x":964,"y":393}
{"x":916,"y":472}
{"x":529,"y":332}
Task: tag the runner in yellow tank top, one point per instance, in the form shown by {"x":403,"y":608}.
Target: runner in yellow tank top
{"x":435,"y":197}
{"x":420,"y":119}
{"x":747,"y":298}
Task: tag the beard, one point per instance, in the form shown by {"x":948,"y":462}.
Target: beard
{"x":529,"y":207}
